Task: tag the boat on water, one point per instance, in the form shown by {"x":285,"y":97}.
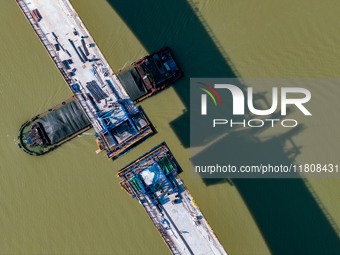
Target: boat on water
{"x":144,"y":78}
{"x":150,"y":74}
{"x":48,"y":130}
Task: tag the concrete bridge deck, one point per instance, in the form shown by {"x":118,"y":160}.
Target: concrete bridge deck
{"x":153,"y":180}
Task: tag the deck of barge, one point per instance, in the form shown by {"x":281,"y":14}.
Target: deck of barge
{"x":49,"y":130}
{"x":153,"y":180}
{"x":118,"y":123}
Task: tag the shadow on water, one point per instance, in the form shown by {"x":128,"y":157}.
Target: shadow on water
{"x":175,"y":24}
{"x":285,"y":211}
{"x":290,"y":219}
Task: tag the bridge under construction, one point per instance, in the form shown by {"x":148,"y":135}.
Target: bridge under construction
{"x":120,"y":125}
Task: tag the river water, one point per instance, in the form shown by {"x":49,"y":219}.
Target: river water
{"x":70,"y":202}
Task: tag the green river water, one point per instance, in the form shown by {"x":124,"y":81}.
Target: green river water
{"x":70,"y":202}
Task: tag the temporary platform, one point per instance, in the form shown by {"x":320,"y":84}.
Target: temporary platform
{"x":153,"y":180}
{"x":52,"y":128}
{"x":118,"y":123}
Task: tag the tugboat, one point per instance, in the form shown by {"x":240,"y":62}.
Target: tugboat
{"x":49,"y":130}
{"x":150,"y":74}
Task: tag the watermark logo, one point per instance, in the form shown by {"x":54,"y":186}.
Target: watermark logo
{"x":209,"y":90}
{"x":239,"y":99}
{"x":243,"y":103}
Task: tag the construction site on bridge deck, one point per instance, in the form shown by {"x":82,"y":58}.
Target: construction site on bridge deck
{"x":153,"y":180}
{"x":118,"y":123}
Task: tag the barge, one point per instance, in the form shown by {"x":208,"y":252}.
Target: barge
{"x":118,"y":123}
{"x":42,"y":145}
{"x":154,"y":181}
{"x":150,"y":74}
{"x":48,"y":130}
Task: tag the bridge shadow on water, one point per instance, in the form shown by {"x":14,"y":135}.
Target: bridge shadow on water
{"x":288,"y":216}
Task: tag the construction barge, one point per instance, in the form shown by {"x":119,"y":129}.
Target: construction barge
{"x":118,"y":123}
{"x":144,"y":78}
{"x":48,"y":130}
{"x":150,"y":74}
{"x":153,"y":180}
